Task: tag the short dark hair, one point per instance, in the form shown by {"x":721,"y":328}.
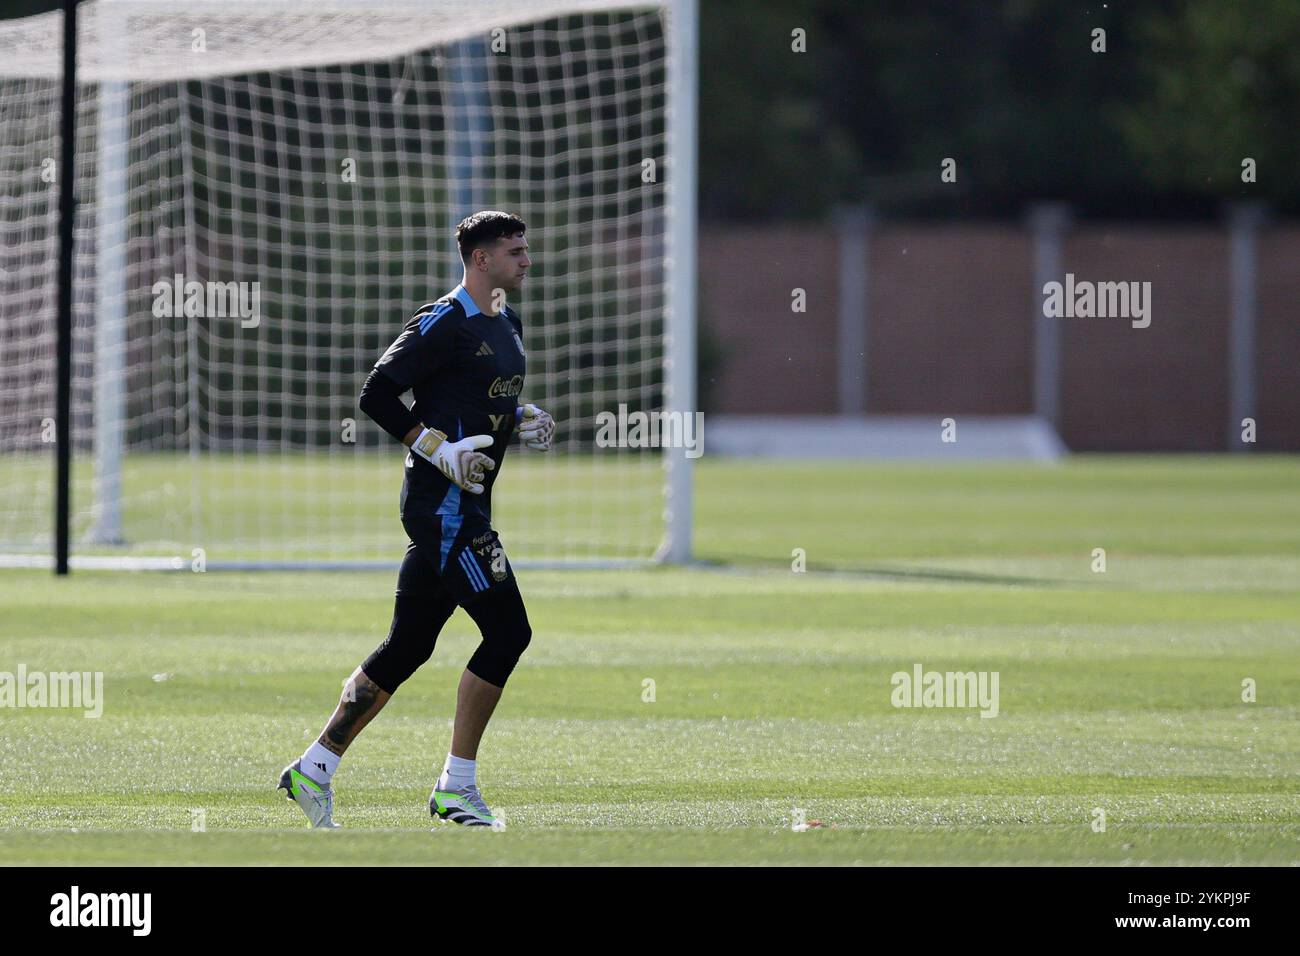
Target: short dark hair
{"x":486,"y":227}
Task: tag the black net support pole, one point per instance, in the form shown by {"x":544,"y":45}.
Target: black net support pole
{"x":67,"y":215}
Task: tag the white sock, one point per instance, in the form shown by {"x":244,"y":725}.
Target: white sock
{"x":320,"y":764}
{"x":457,"y":772}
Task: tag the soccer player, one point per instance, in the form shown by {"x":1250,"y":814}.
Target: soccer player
{"x":462,"y":357}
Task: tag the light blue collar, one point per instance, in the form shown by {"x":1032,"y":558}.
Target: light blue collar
{"x":461,"y":295}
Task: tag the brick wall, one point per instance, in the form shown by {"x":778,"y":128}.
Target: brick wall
{"x":951,"y":328}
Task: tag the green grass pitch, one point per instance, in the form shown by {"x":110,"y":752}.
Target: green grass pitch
{"x":1119,"y":691}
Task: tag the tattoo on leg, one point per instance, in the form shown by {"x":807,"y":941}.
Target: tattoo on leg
{"x":362,"y":698}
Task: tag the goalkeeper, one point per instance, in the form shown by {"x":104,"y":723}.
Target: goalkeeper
{"x":464,"y":365}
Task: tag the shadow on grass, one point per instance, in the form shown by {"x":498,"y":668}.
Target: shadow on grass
{"x":946,"y":575}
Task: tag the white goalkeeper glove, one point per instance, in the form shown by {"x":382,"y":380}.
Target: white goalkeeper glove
{"x":458,"y":460}
{"x":535,"y":427}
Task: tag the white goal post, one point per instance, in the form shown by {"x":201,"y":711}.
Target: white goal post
{"x":266,"y":190}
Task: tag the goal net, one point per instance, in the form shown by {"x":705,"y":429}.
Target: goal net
{"x":266,"y":192}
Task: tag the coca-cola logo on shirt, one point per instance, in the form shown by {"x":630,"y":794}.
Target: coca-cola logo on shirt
{"x":506,"y":388}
